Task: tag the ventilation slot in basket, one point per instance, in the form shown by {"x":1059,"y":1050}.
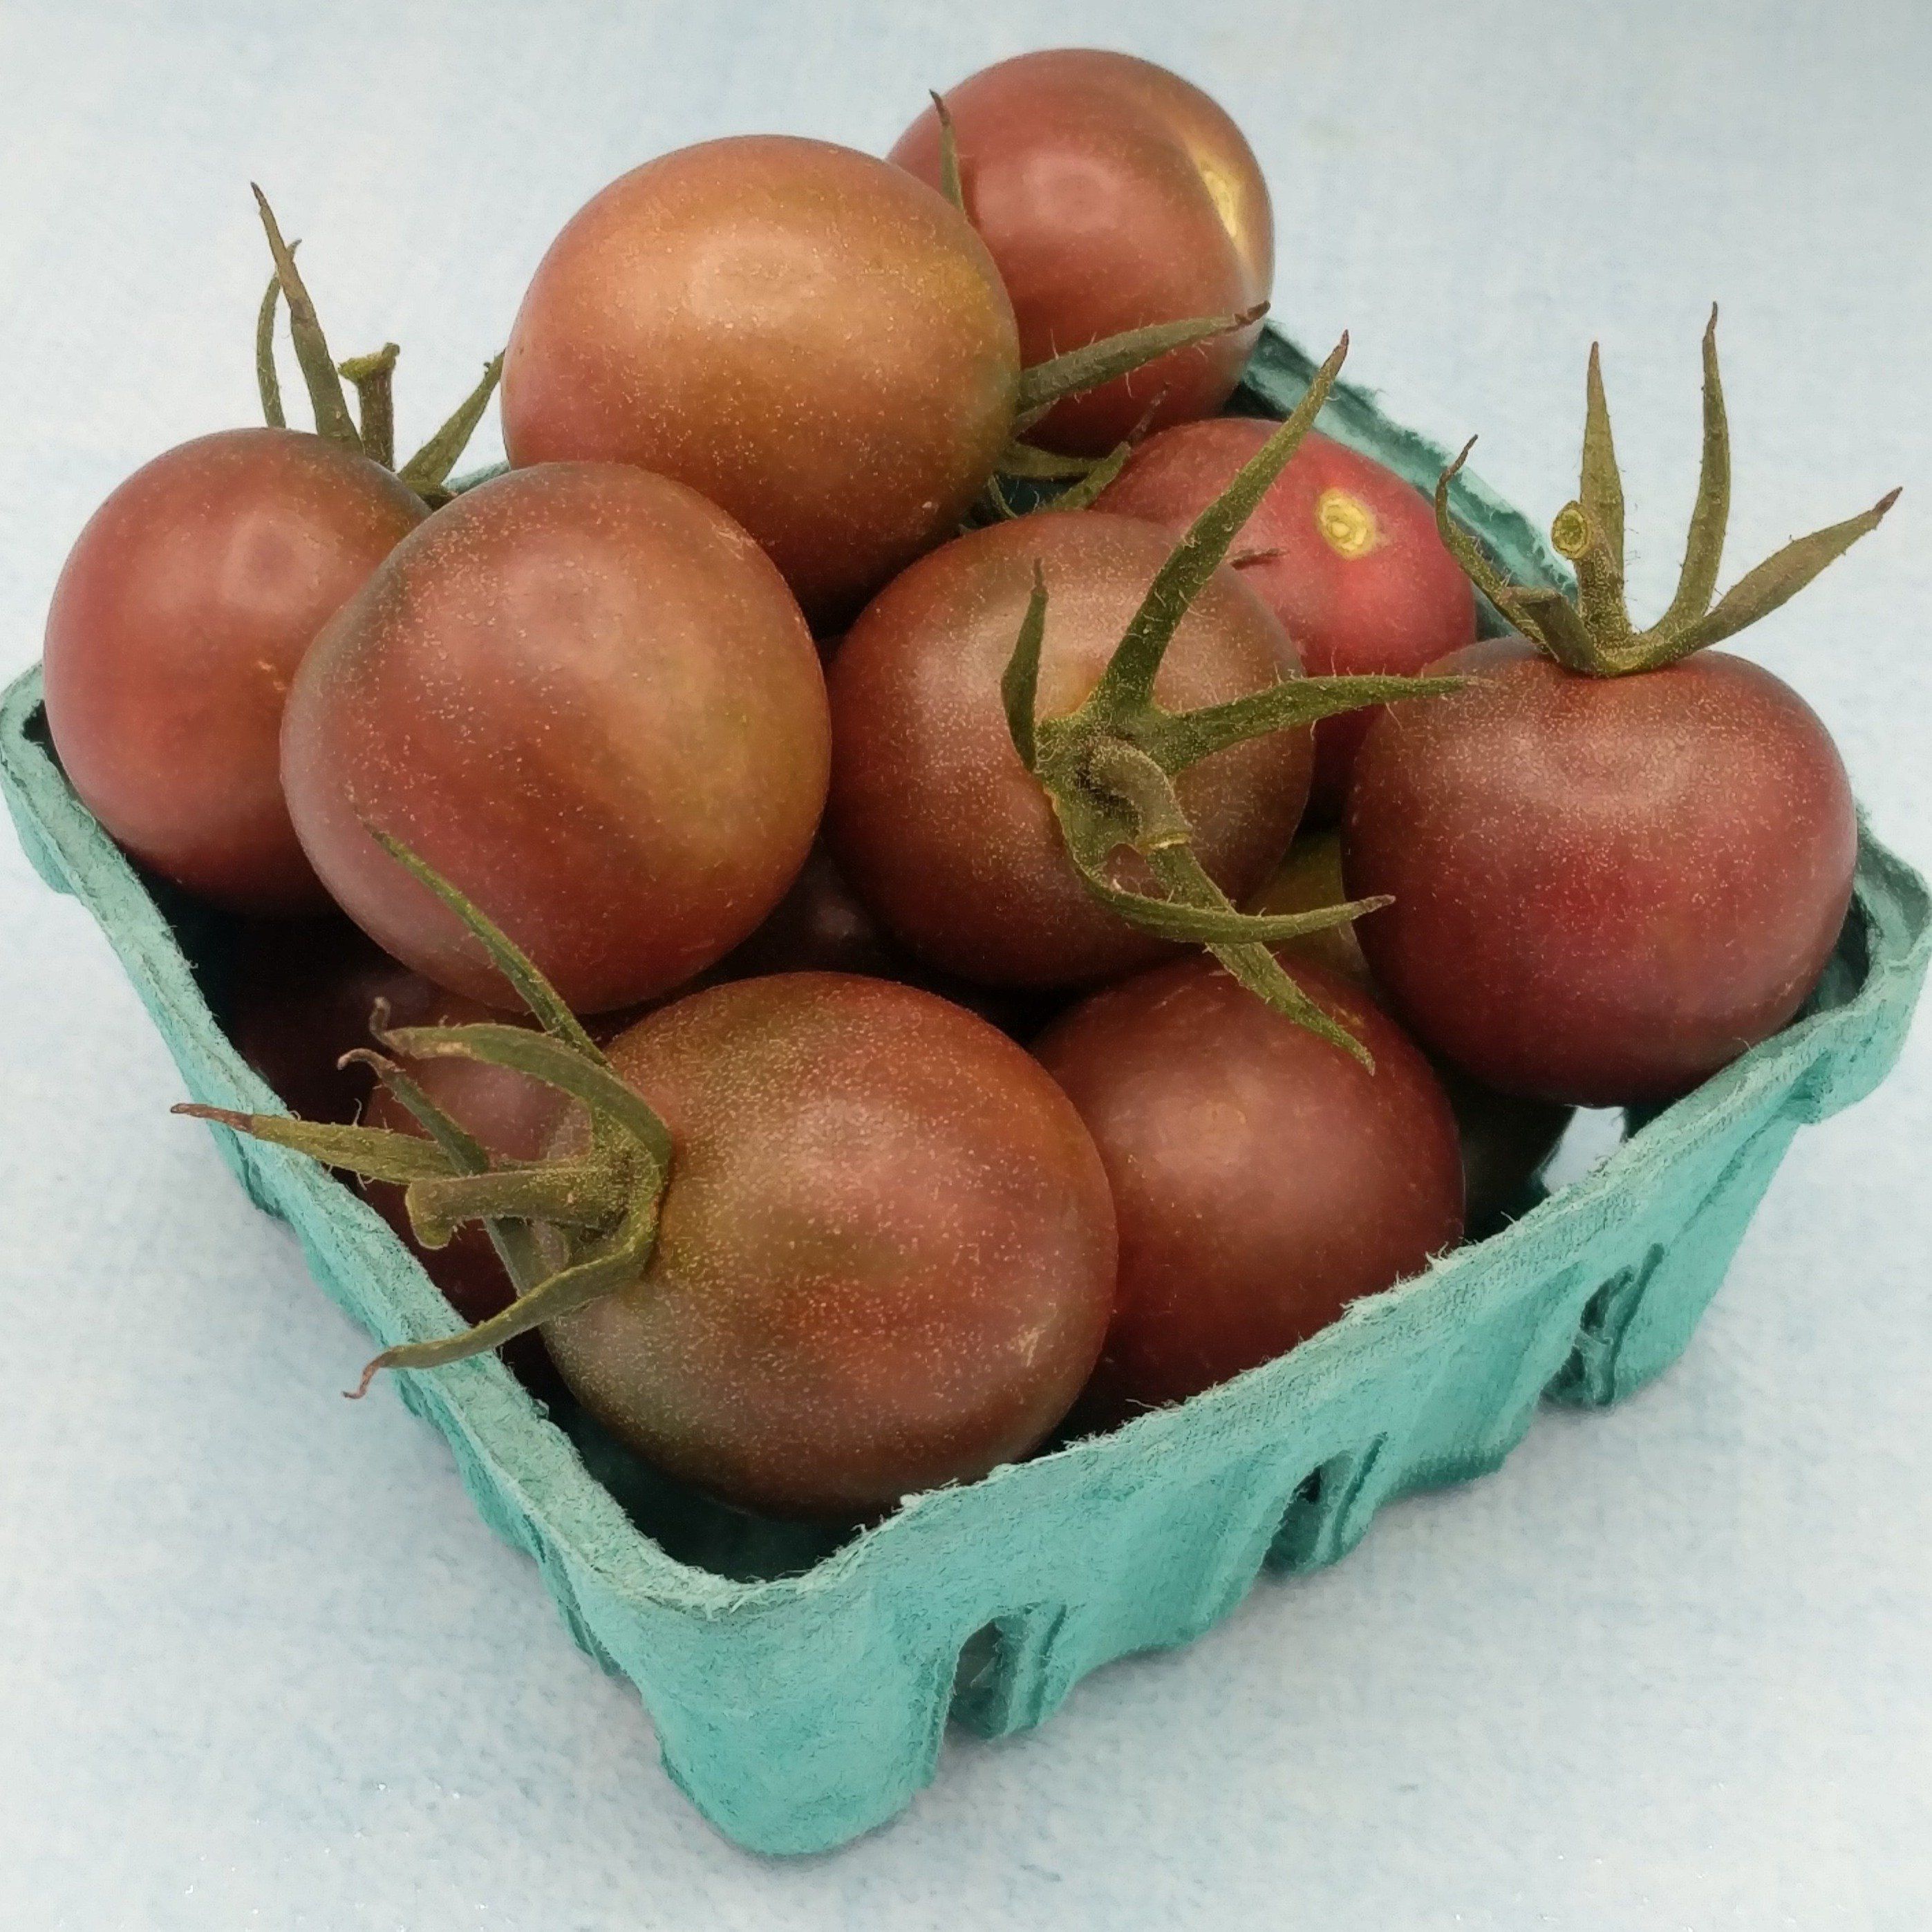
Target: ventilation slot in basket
{"x":1329,"y":1512}
{"x":1005,"y":1681}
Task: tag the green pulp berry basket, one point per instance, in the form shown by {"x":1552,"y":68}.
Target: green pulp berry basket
{"x":799,"y":1687}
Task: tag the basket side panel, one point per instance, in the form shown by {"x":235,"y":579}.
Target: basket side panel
{"x":1639,"y":1319}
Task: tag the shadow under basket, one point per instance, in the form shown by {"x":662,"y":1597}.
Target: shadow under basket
{"x":801,"y":1698}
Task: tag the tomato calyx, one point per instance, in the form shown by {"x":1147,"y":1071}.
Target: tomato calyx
{"x":568,"y":1229}
{"x":1592,"y":634}
{"x":369,"y":430}
{"x":1109,"y":767}
{"x":1078,"y":370}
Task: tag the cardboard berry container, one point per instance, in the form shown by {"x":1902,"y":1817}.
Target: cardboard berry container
{"x":801,"y":1684}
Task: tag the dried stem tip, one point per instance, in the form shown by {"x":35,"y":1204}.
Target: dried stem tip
{"x":427,"y":473}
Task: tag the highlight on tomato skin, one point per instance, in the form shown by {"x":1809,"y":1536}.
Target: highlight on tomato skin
{"x":803,"y":333}
{"x":1341,"y":549}
{"x":943,"y":831}
{"x":1112,"y":194}
{"x":585,"y":695}
{"x":1263,"y":1180}
{"x":177,"y":622}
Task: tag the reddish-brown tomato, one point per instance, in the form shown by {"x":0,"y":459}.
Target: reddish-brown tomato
{"x":177,"y":624}
{"x":1262,"y":1179}
{"x":799,"y":332}
{"x":1606,"y":888}
{"x":1343,"y":550}
{"x":945,"y":834}
{"x":585,"y":696}
{"x":1112,"y":194}
{"x":886,"y":1258}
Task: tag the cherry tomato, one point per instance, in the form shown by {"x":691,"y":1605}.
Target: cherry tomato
{"x":1263,"y":1179}
{"x":933,"y":818}
{"x":798,"y":332}
{"x":1343,"y":551}
{"x":582,"y":693}
{"x":885,"y":1256}
{"x":1506,"y":1139}
{"x":176,"y":627}
{"x":1606,"y":888}
{"x":1112,"y":194}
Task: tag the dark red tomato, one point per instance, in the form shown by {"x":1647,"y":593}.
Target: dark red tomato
{"x":797,"y":331}
{"x":300,"y":993}
{"x":1346,"y":555}
{"x":178,"y":622}
{"x":1112,"y":194}
{"x":1263,"y":1179}
{"x":945,"y":834}
{"x":886,"y":1254}
{"x":1606,"y":889}
{"x":1506,"y":1139}
{"x":584,"y":696}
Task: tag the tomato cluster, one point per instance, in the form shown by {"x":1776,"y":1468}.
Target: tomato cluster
{"x":831,"y":953}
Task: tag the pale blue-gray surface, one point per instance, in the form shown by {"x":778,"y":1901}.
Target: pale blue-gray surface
{"x":260,"y":1666}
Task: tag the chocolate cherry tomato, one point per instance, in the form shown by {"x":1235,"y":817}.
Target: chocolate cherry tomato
{"x":1112,"y":194}
{"x":1619,"y":858}
{"x":1343,"y":550}
{"x":1606,"y":888}
{"x":801,"y":333}
{"x":587,"y":697}
{"x":885,"y":1258}
{"x":1262,"y":1178}
{"x":944,"y":832}
{"x":178,"y":621}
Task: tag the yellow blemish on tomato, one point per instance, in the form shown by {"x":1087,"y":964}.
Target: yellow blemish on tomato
{"x":1346,"y":522}
{"x":1221,"y":193}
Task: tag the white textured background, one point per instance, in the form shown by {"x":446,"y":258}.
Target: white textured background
{"x":260,"y":1664}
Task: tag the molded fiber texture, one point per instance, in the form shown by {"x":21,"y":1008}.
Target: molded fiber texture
{"x":800,"y":1693}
